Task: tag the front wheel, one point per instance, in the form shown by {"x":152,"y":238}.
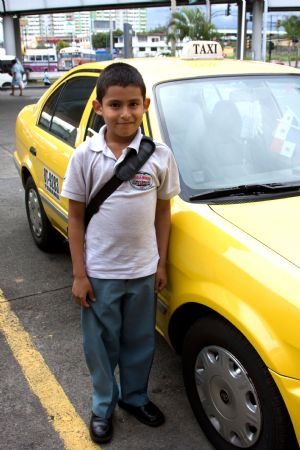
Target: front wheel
{"x":43,"y":233}
{"x":231,"y":391}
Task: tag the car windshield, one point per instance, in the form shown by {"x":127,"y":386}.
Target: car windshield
{"x":232,"y":131}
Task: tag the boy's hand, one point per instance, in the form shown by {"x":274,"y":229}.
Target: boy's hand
{"x":82,"y":291}
{"x":161,"y":278}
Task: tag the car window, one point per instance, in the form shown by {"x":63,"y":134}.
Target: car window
{"x":62,"y":112}
{"x":48,"y":110}
{"x":233,"y":130}
{"x":6,"y":65}
{"x":94,"y":124}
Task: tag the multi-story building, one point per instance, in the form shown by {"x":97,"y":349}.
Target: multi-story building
{"x":78,"y":26}
{"x":136,"y":17}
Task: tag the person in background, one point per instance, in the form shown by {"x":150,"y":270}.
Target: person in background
{"x":17,"y":74}
{"x":46,"y":78}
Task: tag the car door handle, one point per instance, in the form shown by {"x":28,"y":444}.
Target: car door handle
{"x":33,"y":151}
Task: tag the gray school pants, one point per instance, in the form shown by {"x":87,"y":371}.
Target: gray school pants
{"x":119,"y":329}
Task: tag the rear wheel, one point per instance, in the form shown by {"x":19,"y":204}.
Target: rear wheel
{"x":25,"y":78}
{"x":231,"y":391}
{"x":41,"y":229}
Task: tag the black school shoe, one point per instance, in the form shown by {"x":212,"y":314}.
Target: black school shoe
{"x":148,"y":414}
{"x":101,"y":430}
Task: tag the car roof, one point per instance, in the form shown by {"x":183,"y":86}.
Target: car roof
{"x":7,"y":57}
{"x":155,"y":70}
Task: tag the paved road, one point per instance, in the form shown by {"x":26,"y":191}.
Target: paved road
{"x":44,"y":384}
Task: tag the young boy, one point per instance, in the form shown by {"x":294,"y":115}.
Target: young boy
{"x":121,"y":260}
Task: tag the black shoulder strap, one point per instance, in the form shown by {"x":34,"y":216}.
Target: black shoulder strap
{"x":130,"y":165}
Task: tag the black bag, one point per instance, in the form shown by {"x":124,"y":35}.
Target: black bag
{"x":130,"y":165}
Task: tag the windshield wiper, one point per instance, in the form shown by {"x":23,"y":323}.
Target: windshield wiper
{"x":246,"y":189}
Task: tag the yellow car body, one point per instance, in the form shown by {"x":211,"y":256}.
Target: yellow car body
{"x":235,"y":260}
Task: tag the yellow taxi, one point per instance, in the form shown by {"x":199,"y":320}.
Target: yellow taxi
{"x":232,"y":305}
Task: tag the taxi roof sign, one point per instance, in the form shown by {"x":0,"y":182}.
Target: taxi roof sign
{"x":202,"y":50}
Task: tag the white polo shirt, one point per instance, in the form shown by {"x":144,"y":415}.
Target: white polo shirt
{"x":120,"y":239}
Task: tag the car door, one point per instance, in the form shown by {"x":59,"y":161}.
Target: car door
{"x":58,"y":131}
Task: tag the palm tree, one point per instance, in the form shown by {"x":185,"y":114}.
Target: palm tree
{"x":292,"y":29}
{"x":190,"y":23}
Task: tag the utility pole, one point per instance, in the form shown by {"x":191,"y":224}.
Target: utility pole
{"x":111,"y":45}
{"x":243,"y":24}
{"x":173,"y":42}
{"x":173,"y":6}
{"x":208,"y":10}
{"x":265,"y":27}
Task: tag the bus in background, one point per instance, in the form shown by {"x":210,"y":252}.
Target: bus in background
{"x":37,"y":60}
{"x":70,"y":57}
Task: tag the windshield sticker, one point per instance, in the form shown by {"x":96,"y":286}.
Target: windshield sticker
{"x":51,"y":183}
{"x":142,"y":181}
{"x":286,"y":135}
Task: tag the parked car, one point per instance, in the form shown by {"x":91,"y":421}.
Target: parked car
{"x":5,"y":80}
{"x":232,"y":305}
{"x":6,"y":63}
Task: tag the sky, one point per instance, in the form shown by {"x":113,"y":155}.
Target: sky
{"x":160,"y":16}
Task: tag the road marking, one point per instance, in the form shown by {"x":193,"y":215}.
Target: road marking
{"x":62,"y":414}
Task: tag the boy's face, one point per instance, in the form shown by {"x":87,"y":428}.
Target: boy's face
{"x":122,"y":109}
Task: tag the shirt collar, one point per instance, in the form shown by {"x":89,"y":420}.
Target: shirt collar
{"x":98,"y":144}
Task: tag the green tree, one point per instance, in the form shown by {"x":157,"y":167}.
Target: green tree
{"x":62,"y":44}
{"x":117,"y":33}
{"x":291,"y":26}
{"x":100,"y":40}
{"x":190,"y":23}
{"x":159,"y":29}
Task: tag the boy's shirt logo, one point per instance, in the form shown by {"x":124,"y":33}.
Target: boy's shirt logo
{"x":142,"y":181}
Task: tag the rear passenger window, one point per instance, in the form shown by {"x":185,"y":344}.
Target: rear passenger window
{"x":62,"y":112}
{"x":48,"y":110}
{"x":94,"y":124}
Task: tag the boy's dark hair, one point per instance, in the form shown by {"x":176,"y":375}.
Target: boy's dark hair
{"x":119,"y":74}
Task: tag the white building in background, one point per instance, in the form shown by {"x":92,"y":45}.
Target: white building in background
{"x":136,"y":17}
{"x":145,"y":45}
{"x":78,"y":26}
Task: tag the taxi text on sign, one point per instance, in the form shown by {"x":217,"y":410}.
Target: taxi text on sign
{"x":202,"y":50}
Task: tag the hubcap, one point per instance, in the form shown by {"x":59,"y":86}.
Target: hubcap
{"x":228,"y":396}
{"x":35,"y":213}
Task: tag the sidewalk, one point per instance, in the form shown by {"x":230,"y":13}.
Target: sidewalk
{"x":37,"y":77}
{"x":37,"y":85}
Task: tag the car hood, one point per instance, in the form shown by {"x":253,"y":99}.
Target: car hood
{"x":275,"y":223}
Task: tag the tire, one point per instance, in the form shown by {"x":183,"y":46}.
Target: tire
{"x":44,"y":235}
{"x":235,"y":399}
{"x":25,"y":77}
